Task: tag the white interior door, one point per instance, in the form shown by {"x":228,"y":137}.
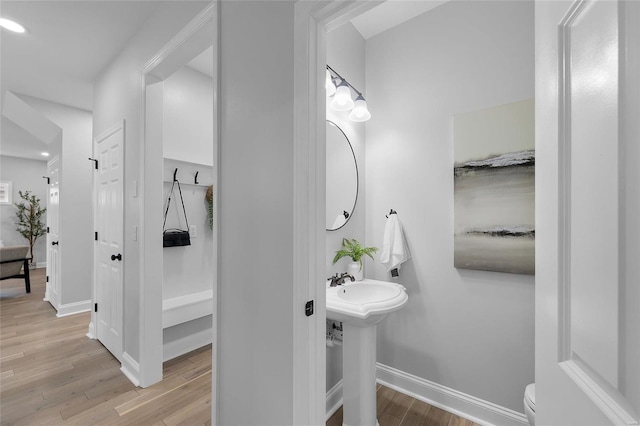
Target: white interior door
{"x":108,"y":150}
{"x":52,"y":292}
{"x":587,"y":278}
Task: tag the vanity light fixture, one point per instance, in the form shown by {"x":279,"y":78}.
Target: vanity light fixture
{"x":329,"y":85}
{"x":44,"y":154}
{"x":342,"y":100}
{"x":10,"y":25}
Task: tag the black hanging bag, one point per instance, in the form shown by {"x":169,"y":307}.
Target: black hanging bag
{"x":175,"y":237}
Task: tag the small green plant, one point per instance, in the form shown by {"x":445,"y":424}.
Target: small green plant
{"x":354,"y":250}
{"x":30,"y":214}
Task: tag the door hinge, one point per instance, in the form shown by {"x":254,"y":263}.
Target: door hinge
{"x":96,"y":235}
{"x":308,"y":308}
{"x":95,"y":308}
{"x":47,"y":278}
{"x":47,"y":229}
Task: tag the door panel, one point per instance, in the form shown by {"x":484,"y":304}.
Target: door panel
{"x":108,"y":149}
{"x":586,"y":88}
{"x":52,"y":293}
{"x":590,"y":46}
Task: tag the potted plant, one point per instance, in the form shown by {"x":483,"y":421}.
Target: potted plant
{"x":354,"y":250}
{"x":30,"y":224}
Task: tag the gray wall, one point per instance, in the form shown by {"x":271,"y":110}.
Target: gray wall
{"x":25,"y":175}
{"x":256,"y":210}
{"x":472,"y":331}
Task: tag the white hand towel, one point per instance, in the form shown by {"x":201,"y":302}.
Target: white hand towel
{"x":394,"y":247}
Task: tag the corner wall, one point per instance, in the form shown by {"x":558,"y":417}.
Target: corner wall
{"x":471,"y":331}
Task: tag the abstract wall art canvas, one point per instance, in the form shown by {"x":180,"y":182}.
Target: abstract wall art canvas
{"x":494,"y":189}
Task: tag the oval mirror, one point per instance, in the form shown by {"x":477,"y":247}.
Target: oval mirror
{"x":342,"y":178}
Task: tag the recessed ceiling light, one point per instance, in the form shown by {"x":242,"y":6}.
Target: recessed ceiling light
{"x":44,"y":154}
{"x":11,"y":25}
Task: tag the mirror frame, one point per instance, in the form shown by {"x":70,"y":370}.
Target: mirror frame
{"x":355,"y":162}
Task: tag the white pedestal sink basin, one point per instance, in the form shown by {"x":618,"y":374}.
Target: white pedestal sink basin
{"x":361,"y":306}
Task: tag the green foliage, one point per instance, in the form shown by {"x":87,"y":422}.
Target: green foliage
{"x":30,"y":215}
{"x":210,"y":213}
{"x":354,"y":250}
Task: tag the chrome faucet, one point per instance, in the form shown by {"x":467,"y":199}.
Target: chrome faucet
{"x":339,"y":280}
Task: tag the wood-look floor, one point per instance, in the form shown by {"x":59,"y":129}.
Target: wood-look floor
{"x":51,"y":373}
{"x":397,"y":409}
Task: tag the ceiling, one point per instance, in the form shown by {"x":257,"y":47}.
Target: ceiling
{"x":69,"y":43}
{"x":391,"y":13}
{"x":66,"y":46}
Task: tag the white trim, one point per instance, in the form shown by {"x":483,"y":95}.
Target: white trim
{"x":41,"y":265}
{"x":186,"y":344}
{"x":451,"y":400}
{"x":131,"y":369}
{"x":334,"y":399}
{"x":312,"y":20}
{"x":73,"y":308}
{"x":91,"y":332}
{"x":608,"y":399}
{"x":178,"y":310}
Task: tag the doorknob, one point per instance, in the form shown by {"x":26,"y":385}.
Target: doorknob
{"x":114,"y":257}
{"x":54,"y":243}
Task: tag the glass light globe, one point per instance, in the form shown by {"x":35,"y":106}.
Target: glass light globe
{"x":342,"y":99}
{"x":329,"y":86}
{"x":360,"y":112}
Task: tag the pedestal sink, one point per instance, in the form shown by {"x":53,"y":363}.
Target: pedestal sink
{"x":361,"y":306}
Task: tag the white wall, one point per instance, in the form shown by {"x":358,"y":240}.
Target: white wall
{"x":25,"y":175}
{"x":188,"y":117}
{"x":472,"y":331}
{"x":256,"y":207}
{"x":188,"y":136}
{"x":346,"y":55}
{"x":76,"y":199}
{"x":118,"y":95}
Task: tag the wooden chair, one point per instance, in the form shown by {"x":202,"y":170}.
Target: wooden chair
{"x":12,"y":260}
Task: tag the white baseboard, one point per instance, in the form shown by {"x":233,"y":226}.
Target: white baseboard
{"x":91,"y":333}
{"x":131,"y":369}
{"x":41,"y":265}
{"x":186,"y":344}
{"x":73,"y":308}
{"x":334,"y":399}
{"x":451,"y":400}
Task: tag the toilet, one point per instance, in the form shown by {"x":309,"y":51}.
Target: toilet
{"x":530,"y":403}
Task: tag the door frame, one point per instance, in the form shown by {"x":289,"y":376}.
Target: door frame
{"x":173,"y":55}
{"x":92,"y":333}
{"x":312,"y":20}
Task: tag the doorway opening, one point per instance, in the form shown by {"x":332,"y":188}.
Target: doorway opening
{"x":178,"y":302}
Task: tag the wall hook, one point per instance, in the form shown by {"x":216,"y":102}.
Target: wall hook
{"x":47,"y":178}
{"x":196,"y":178}
{"x":175,"y":172}
{"x":392,"y":211}
{"x":95,"y":161}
